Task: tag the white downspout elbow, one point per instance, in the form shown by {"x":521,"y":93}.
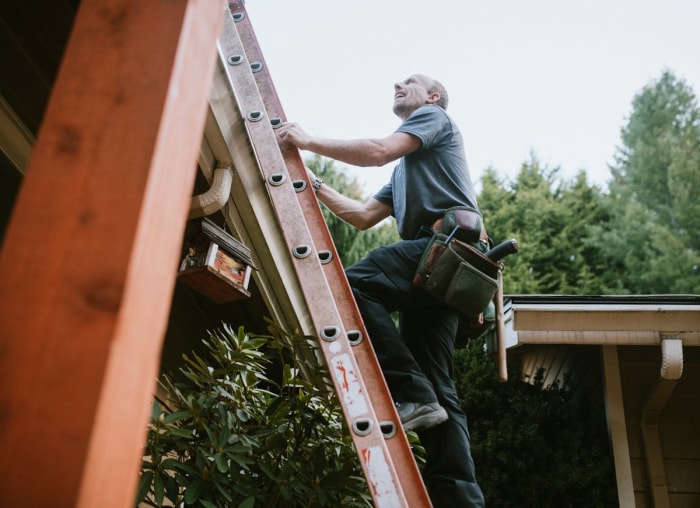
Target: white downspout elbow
{"x":216,"y":197}
{"x":671,"y":358}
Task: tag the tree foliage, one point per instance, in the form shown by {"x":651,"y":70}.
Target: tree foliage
{"x":658,"y":163}
{"x":652,"y":235}
{"x":639,"y":237}
{"x":550,"y":218}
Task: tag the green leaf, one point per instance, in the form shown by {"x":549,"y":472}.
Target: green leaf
{"x":221,"y":463}
{"x":169,"y":464}
{"x":224,"y":491}
{"x":244,"y":462}
{"x":186,"y":468}
{"x":181,"y":432}
{"x":144,"y":485}
{"x":210,"y":433}
{"x":193,"y":491}
{"x":251,"y":379}
{"x":239,"y":448}
{"x":158,"y":489}
{"x":248,"y":503}
{"x":157,"y":410}
{"x":172,"y":490}
{"x":242,"y":415}
{"x":269,"y":471}
{"x":287,"y":374}
{"x":174,"y":417}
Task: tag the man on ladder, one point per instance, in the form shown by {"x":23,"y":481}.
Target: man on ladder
{"x":416,"y":359}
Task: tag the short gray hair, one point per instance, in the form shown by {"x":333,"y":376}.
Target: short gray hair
{"x":438,"y":87}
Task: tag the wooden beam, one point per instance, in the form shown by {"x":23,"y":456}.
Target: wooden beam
{"x":617,"y":427}
{"x":89,"y":259}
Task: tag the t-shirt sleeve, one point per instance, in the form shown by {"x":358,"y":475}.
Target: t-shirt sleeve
{"x":426,"y":123}
{"x":385,"y":196}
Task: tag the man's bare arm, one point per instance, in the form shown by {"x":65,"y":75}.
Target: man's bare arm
{"x":358,"y":152}
{"x":358,"y":214}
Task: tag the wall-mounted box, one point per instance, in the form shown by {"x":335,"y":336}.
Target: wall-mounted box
{"x":216,"y":264}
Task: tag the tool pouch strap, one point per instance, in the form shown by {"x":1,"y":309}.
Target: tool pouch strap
{"x":457,"y":274}
{"x":467,"y":220}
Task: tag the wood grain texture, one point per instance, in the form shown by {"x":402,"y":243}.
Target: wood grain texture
{"x":84,"y":301}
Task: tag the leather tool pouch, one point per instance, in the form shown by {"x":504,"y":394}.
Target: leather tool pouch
{"x":457,"y":274}
{"x":467,"y":220}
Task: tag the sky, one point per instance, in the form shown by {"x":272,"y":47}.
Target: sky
{"x":553,"y":78}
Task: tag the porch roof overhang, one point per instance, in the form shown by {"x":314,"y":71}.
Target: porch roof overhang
{"x":601,"y":320}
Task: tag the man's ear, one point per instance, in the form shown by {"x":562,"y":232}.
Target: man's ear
{"x":433,"y":98}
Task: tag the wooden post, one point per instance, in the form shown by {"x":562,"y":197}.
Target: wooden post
{"x":501,"y":354}
{"x":89,"y":259}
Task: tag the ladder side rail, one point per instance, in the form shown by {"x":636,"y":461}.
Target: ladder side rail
{"x":376,"y":461}
{"x":381,"y":399}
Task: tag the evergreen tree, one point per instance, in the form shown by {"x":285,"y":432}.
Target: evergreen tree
{"x":658,"y":163}
{"x":652,"y":238}
{"x":550,"y":218}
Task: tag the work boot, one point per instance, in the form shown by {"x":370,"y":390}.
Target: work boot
{"x":420,"y":415}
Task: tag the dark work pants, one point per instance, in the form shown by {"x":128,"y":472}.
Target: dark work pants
{"x":416,"y":360}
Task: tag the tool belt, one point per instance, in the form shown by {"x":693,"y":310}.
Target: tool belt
{"x":452,"y":269}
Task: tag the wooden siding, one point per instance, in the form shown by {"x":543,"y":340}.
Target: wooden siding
{"x":679,"y":424}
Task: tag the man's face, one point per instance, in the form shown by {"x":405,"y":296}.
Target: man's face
{"x":411,"y":94}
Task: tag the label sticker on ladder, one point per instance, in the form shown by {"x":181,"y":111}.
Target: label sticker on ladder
{"x":349,"y":383}
{"x":379,"y":478}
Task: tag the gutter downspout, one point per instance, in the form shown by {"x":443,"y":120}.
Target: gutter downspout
{"x":671,"y":371}
{"x":216,"y":197}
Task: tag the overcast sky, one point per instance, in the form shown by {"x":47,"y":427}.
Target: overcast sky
{"x":552,"y":77}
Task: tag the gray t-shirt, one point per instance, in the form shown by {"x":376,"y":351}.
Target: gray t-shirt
{"x":433,"y":178}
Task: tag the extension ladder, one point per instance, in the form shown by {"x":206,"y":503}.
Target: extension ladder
{"x":383,"y":450}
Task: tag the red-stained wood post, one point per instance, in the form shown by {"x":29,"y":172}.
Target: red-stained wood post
{"x":88,"y":263}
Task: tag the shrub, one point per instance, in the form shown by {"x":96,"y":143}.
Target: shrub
{"x":534,"y":446}
{"x":229,"y":435}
